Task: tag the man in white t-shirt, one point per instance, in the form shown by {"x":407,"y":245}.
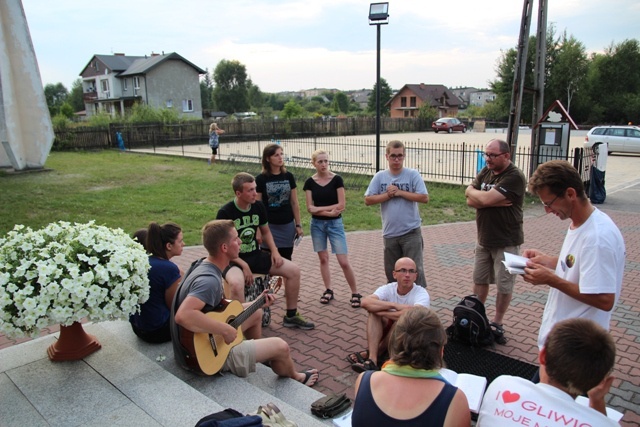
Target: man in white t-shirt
{"x":577,"y":359}
{"x":385,"y":306}
{"x":587,"y":279}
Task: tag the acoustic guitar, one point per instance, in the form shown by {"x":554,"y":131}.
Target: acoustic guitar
{"x":208,"y":352}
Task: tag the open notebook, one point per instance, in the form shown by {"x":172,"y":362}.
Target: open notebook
{"x":515,"y":264}
{"x":473,"y":386}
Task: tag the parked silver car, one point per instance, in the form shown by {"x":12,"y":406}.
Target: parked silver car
{"x":619,"y":139}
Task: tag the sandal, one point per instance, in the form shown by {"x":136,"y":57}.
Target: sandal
{"x":308,"y":377}
{"x":367,"y":365}
{"x":498,"y":333}
{"x":357,"y":357}
{"x":326,"y":296}
{"x":355,"y":300}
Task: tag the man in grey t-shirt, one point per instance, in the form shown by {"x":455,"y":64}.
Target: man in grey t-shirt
{"x":398,"y":190}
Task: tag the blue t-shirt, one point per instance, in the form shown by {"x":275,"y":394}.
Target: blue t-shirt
{"x":154,"y":313}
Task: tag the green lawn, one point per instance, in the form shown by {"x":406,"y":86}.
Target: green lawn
{"x":128,"y":190}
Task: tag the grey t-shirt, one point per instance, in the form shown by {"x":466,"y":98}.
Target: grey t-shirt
{"x":204,"y":283}
{"x":399,"y":215}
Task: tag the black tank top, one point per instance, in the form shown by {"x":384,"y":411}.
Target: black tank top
{"x":366,"y":413}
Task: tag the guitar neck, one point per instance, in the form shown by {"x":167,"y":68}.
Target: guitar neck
{"x":247,"y":312}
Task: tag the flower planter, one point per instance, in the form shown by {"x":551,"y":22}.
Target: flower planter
{"x":73,"y":344}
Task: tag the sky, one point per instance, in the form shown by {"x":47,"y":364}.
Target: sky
{"x":303,"y":44}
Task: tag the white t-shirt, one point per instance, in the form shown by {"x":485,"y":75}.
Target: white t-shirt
{"x":416,"y":296}
{"x":514,"y":401}
{"x":592,"y":256}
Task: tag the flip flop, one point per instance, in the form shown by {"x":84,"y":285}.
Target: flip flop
{"x":307,"y":377}
{"x":357,"y":357}
{"x":367,"y":365}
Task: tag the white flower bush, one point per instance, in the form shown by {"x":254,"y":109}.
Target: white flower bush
{"x":66,"y":272}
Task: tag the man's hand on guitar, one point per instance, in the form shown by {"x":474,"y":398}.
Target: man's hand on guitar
{"x":229,"y":333}
{"x":269,"y":298}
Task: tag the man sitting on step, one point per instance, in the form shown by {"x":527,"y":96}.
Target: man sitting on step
{"x":201,"y":291}
{"x":385,"y":306}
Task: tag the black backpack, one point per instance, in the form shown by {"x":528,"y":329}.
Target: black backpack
{"x":470,"y":323}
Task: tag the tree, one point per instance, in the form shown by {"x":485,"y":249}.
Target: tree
{"x":206,"y":91}
{"x":385,"y":96}
{"x":427,"y":113}
{"x":231,"y":91}
{"x":567,"y":72}
{"x":340,"y":103}
{"x":55,"y":95}
{"x":76,"y":96}
{"x":255,"y":96}
{"x":292,"y":109}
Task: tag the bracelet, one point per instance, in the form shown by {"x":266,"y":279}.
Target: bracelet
{"x":298,"y":226}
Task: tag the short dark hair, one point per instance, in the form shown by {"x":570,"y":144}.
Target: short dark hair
{"x":215,"y":233}
{"x":159,"y":235}
{"x":417,"y":339}
{"x":579,"y":354}
{"x":557,"y":176}
{"x":241,"y":178}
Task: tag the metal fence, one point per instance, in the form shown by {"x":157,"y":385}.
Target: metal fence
{"x":355,"y":159}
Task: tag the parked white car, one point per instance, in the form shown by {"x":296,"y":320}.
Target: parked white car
{"x":619,"y":139}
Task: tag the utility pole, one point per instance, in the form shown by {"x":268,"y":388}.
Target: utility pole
{"x":538,"y":82}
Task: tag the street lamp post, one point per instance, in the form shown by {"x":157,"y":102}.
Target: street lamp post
{"x":378,"y":15}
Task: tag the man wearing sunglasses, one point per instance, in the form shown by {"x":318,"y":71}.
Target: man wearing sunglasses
{"x":398,"y":190}
{"x":585,"y":280}
{"x":497,"y":194}
{"x":384,"y":307}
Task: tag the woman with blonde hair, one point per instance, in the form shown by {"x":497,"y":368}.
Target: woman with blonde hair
{"x":409,"y":390}
{"x":214,"y":141}
{"x":325,"y":202}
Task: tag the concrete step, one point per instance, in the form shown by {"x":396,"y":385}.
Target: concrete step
{"x":243,"y":394}
{"x":116,"y":385}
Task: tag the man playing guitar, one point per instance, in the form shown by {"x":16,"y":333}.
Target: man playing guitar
{"x":202,"y":292}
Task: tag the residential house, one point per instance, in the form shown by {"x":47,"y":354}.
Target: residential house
{"x":481,"y":97}
{"x":464,"y":93}
{"x":361,"y":97}
{"x":408,"y":100}
{"x":113,"y":83}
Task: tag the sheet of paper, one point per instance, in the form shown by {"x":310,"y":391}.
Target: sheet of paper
{"x":344,"y":420}
{"x":611,"y":413}
{"x":514,"y":264}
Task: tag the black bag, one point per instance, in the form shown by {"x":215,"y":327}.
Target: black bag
{"x":210,"y":419}
{"x":331,"y":405}
{"x":470,"y":323}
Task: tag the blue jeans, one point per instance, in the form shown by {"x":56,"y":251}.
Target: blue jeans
{"x":331,"y":229}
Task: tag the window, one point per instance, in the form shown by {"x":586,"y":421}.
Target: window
{"x":412,"y":101}
{"x":124,"y":85}
{"x":105,"y":85}
{"x":170,"y":103}
{"x":406,"y":113}
{"x":187,"y":105}
{"x":136,"y":82}
{"x":403,"y":101}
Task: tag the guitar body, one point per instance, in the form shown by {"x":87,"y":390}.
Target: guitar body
{"x":210,"y":350}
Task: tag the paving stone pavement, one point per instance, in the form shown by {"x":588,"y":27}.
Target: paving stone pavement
{"x":448,"y":259}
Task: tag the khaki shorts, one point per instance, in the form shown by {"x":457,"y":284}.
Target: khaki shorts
{"x":488,"y":268}
{"x":242,"y":359}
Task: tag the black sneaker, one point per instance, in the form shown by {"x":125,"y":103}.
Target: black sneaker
{"x":297,"y":321}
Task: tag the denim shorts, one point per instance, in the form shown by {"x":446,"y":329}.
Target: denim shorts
{"x":331,"y":229}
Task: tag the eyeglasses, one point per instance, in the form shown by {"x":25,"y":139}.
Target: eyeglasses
{"x":548,"y":206}
{"x":492,"y":156}
{"x":405,"y":271}
{"x":396,"y":156}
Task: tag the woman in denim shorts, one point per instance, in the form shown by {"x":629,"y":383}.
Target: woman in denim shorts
{"x":325,"y":202}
